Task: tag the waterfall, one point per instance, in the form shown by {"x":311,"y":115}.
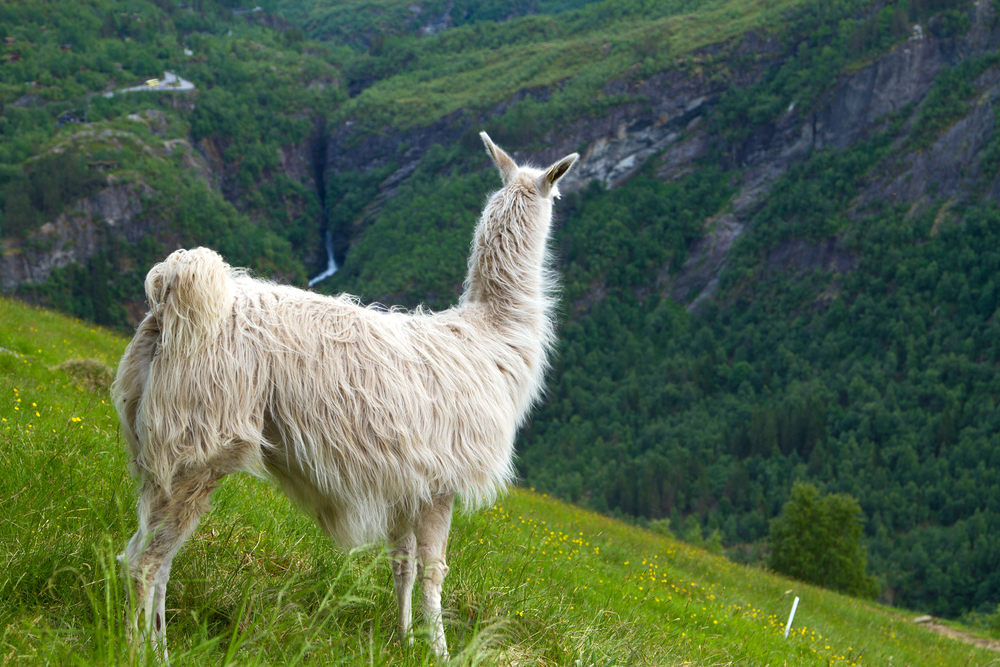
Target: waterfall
{"x":317,"y":150}
{"x":331,"y":266}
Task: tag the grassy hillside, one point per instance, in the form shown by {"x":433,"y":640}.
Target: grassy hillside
{"x":366,"y":22}
{"x":533,"y":581}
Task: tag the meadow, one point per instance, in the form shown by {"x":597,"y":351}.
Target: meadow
{"x":533,"y":580}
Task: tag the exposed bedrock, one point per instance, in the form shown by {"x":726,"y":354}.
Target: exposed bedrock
{"x":669,"y":116}
{"x":77,"y":234}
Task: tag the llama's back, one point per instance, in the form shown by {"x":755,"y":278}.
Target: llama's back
{"x":383,"y":410}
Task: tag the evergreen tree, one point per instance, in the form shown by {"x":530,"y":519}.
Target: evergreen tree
{"x":818,"y":540}
{"x":714,"y":542}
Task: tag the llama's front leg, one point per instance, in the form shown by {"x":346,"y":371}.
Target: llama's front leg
{"x":432,"y":543}
{"x":403,"y":554}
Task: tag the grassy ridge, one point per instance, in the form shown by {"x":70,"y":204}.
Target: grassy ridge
{"x":476,"y":67}
{"x":361,"y":22}
{"x":533,"y":580}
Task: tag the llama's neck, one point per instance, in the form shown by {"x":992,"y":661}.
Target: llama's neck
{"x":509,"y":278}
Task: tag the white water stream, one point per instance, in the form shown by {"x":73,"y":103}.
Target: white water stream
{"x":331,"y":266}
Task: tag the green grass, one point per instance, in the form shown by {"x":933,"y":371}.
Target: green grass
{"x":477,"y":67}
{"x":533,"y":580}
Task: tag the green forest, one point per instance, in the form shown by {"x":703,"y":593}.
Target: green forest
{"x":877,"y":379}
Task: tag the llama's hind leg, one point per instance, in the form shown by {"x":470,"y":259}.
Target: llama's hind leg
{"x":165,"y":522}
{"x":432,"y":543}
{"x":403,"y":551}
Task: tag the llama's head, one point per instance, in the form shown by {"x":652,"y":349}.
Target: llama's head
{"x":508,"y":267}
{"x":542,"y":182}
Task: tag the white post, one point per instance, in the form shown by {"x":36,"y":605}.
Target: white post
{"x":788,"y":627}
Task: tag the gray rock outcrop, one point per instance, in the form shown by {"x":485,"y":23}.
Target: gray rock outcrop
{"x":77,"y":234}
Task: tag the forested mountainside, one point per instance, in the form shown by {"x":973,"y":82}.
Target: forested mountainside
{"x":779,"y":252}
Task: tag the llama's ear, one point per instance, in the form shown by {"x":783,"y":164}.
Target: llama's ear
{"x":548,"y":180}
{"x":503,"y":161}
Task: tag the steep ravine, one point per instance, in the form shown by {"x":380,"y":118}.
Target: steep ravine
{"x":318,"y":147}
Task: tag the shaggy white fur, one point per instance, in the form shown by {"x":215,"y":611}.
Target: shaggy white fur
{"x":371,"y":420}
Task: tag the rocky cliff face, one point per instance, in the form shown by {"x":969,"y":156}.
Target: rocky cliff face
{"x":77,"y":234}
{"x":121,"y":210}
{"x":950,"y":169}
{"x":669,"y":120}
{"x":852,"y":110}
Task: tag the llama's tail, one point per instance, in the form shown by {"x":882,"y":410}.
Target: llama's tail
{"x":190,"y":294}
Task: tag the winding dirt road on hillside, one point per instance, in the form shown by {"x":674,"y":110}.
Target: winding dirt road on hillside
{"x":942,"y":629}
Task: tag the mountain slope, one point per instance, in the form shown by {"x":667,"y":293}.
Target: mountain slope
{"x":232,"y":158}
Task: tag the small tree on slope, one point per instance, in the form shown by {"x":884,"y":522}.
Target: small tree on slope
{"x":818,"y":540}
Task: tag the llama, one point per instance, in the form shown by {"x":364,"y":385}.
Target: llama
{"x":371,"y":421}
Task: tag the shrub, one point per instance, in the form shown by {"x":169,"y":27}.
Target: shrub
{"x":818,"y":540}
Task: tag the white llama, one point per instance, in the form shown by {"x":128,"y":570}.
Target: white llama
{"x":372,"y":421}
